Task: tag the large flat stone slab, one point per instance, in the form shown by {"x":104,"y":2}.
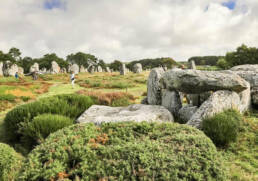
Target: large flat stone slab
{"x":196,"y":81}
{"x":137,"y":112}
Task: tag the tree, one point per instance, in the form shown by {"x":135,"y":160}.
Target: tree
{"x":115,"y":65}
{"x":15,"y":53}
{"x":81,"y":58}
{"x":45,"y":62}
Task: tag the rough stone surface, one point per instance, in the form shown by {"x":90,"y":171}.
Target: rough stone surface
{"x":153,"y":87}
{"x":123,"y":70}
{"x":63,"y":70}
{"x":82,"y":69}
{"x":74,"y":68}
{"x":99,"y":69}
{"x":1,"y":68}
{"x":246,"y":67}
{"x":20,"y":71}
{"x":245,"y":99}
{"x":137,"y":112}
{"x":171,"y":100}
{"x":196,"y":81}
{"x":108,"y":69}
{"x":34,"y":67}
{"x":91,"y":69}
{"x":137,"y":68}
{"x":192,"y":65}
{"x":249,"y":76}
{"x":255,"y":96}
{"x":55,"y":69}
{"x":186,"y":112}
{"x":10,"y":69}
{"x":217,"y":102}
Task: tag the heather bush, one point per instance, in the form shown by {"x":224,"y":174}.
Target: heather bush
{"x":125,"y":151}
{"x":70,"y":105}
{"x":10,"y":163}
{"x":223,"y":127}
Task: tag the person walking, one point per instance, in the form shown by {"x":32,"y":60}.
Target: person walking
{"x":72,"y":78}
{"x":16,"y":75}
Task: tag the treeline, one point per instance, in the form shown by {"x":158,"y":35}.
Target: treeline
{"x":205,"y":60}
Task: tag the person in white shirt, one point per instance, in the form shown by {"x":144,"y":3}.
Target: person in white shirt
{"x":72,"y":77}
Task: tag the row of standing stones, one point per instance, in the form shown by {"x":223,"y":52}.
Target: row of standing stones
{"x":206,"y":92}
{"x":9,"y":69}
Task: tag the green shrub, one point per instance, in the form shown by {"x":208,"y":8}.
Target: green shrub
{"x":25,"y":98}
{"x":70,"y":105}
{"x":10,"y":163}
{"x":41,"y":126}
{"x":223,"y":127}
{"x":125,"y":151}
{"x":7,"y":97}
{"x":124,"y":101}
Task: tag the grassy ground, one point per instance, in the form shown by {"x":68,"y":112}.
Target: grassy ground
{"x":241,"y":157}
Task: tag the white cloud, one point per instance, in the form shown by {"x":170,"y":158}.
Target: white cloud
{"x":127,"y":30}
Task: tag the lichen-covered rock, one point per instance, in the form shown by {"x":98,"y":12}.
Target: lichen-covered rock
{"x":1,"y":68}
{"x":153,"y":87}
{"x":63,"y":70}
{"x":108,"y":69}
{"x":55,"y":69}
{"x":10,"y":69}
{"x":217,"y":102}
{"x":246,"y":67}
{"x":82,"y":69}
{"x":196,"y":81}
{"x":74,"y":68}
{"x":137,"y":112}
{"x":171,"y":100}
{"x":245,"y":99}
{"x":99,"y":69}
{"x":34,"y":67}
{"x":137,"y":68}
{"x":186,"y":112}
{"x":123,"y":69}
{"x":91,"y":69}
{"x":192,"y":65}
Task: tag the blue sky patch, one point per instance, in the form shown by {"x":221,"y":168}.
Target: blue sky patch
{"x":231,"y":4}
{"x":52,"y":4}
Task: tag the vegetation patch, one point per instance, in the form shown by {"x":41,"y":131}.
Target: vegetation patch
{"x":125,"y":151}
{"x":224,"y":127}
{"x":10,"y":163}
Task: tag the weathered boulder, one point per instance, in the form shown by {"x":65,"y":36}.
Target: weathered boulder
{"x":245,"y":99}
{"x":91,"y":69}
{"x":186,"y":112}
{"x":63,"y":70}
{"x":137,"y":68}
{"x":196,"y":81}
{"x":99,"y":69}
{"x":55,"y":69}
{"x":82,"y":69}
{"x":123,"y":69}
{"x":74,"y":68}
{"x":246,"y":67}
{"x":249,"y":76}
{"x":217,"y":102}
{"x":137,"y":112}
{"x":108,"y":69}
{"x":20,"y":70}
{"x":43,"y":70}
{"x":9,"y":69}
{"x":165,"y":68}
{"x":192,"y":65}
{"x":34,"y":67}
{"x":171,"y":100}
{"x":153,"y":87}
{"x":1,"y":68}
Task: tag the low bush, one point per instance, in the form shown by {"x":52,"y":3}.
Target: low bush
{"x":25,"y":98}
{"x":125,"y":151}
{"x":70,"y":105}
{"x":223,"y":127}
{"x":41,"y":126}
{"x":10,"y":163}
{"x":7,"y":97}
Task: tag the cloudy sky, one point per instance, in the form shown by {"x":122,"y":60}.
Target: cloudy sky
{"x":128,"y":29}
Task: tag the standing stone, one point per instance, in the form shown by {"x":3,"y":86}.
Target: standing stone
{"x":99,"y":69}
{"x":186,"y":112}
{"x":135,"y":113}
{"x":91,"y":69}
{"x":192,"y":65}
{"x":74,"y":68}
{"x":153,"y":87}
{"x":9,"y":69}
{"x":1,"y":68}
{"x":165,"y":68}
{"x":245,"y":99}
{"x":196,"y":81}
{"x":218,"y":102}
{"x":63,"y":70}
{"x":171,"y":100}
{"x":123,"y":69}
{"x":34,"y":67}
{"x":43,"y":70}
{"x":82,"y":69}
{"x":108,"y":69}
{"x":137,"y":68}
{"x":20,"y":70}
{"x":55,"y":69}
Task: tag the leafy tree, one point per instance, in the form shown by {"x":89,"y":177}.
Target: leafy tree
{"x":26,"y":63}
{"x":222,"y":63}
{"x":81,"y":58}
{"x":6,"y":57}
{"x":102,"y":64}
{"x":15,"y":53}
{"x":45,"y":62}
{"x":205,"y":60}
{"x":115,"y":65}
